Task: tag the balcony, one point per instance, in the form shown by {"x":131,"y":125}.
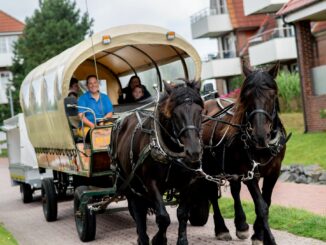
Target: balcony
{"x":210,"y":23}
{"x":272,"y":45}
{"x":221,"y":65}
{"x":262,"y":6}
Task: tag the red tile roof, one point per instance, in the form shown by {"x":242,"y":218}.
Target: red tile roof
{"x":9,"y":23}
{"x":239,"y":20}
{"x":294,"y":5}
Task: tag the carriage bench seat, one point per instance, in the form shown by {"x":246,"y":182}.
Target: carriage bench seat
{"x":73,"y":118}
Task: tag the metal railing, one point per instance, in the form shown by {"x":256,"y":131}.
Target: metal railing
{"x":271,"y":34}
{"x":208,"y":12}
{"x":224,"y":54}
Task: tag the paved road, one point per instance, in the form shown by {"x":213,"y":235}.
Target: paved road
{"x":309,"y":197}
{"x":29,"y":227}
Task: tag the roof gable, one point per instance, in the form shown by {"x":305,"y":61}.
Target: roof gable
{"x":9,"y":23}
{"x":294,"y":5}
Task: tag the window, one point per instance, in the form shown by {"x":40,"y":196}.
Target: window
{"x":7,"y":44}
{"x":11,"y":43}
{"x":25,"y":91}
{"x":36,"y":95}
{"x":3,"y":45}
{"x":50,"y":96}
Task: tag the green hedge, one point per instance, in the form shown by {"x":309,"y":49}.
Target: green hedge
{"x":289,"y":91}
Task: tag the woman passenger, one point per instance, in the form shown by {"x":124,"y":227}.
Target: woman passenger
{"x":126,"y":96}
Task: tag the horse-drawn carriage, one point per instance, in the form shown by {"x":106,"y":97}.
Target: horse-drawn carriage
{"x":154,"y":145}
{"x":114,"y":55}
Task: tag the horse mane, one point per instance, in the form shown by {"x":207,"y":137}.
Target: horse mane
{"x":255,"y":84}
{"x":178,"y":96}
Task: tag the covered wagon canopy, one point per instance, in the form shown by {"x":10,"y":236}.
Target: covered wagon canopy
{"x":118,"y":53}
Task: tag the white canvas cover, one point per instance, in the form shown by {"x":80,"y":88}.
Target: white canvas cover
{"x":132,"y":48}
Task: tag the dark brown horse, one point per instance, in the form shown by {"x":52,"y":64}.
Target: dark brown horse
{"x":158,"y":151}
{"x":242,"y":146}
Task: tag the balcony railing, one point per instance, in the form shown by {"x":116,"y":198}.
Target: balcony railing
{"x":271,"y":34}
{"x":224,"y":54}
{"x":208,"y":12}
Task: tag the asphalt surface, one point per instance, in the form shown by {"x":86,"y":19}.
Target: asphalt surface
{"x":26,"y":222}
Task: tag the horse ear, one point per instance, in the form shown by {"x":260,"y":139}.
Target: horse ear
{"x":197,"y":85}
{"x":168,"y":87}
{"x":274,"y":70}
{"x":246,"y":71}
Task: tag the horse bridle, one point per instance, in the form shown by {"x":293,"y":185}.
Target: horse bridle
{"x":185,"y":128}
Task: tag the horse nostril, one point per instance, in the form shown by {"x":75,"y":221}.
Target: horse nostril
{"x":193,"y":155}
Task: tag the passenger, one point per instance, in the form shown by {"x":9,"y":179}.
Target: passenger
{"x":126,"y":96}
{"x":98,"y":102}
{"x":138,"y":93}
{"x":73,"y":88}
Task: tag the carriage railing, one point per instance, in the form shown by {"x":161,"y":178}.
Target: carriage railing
{"x":218,"y":10}
{"x":87,"y":109}
{"x":283,"y":32}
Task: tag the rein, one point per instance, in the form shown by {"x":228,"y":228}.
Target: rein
{"x":154,"y":148}
{"x":246,"y":138}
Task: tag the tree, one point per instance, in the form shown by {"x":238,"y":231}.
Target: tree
{"x":54,"y":27}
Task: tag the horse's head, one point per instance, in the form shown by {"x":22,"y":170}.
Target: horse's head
{"x":260,"y":102}
{"x":183,"y":109}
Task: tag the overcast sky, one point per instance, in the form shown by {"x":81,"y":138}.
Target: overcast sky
{"x":171,"y":14}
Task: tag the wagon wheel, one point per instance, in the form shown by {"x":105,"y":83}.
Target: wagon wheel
{"x":199,"y":213}
{"x":49,"y":200}
{"x":26,"y":193}
{"x":85,"y":219}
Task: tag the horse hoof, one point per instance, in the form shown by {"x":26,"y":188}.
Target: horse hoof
{"x":182,"y":242}
{"x":162,"y":241}
{"x":256,"y":242}
{"x":224,"y":236}
{"x":242,"y":234}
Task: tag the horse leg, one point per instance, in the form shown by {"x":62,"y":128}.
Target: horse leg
{"x":162,"y":217}
{"x":261,"y":222}
{"x":221,"y":231}
{"x":138,"y":211}
{"x":242,"y":228}
{"x":183,"y":216}
{"x":267,"y":189}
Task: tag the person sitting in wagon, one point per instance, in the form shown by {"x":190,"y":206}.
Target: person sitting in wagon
{"x":126,"y":95}
{"x":73,"y":88}
{"x":96,"y":101}
{"x":138,"y":93}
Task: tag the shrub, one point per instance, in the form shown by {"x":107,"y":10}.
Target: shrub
{"x":289,"y":91}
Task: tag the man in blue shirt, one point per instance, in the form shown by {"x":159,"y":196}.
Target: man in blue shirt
{"x":98,"y":102}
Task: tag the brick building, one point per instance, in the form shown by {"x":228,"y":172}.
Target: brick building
{"x":308,"y":18}
{"x":225,"y":21}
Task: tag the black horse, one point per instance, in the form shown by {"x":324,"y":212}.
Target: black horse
{"x":243,"y":144}
{"x":153,"y":150}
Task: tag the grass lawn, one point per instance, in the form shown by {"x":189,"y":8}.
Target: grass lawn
{"x":4,"y":153}
{"x":295,"y":221}
{"x":307,"y":149}
{"x":6,"y":237}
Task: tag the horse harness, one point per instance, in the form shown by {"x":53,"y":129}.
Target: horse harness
{"x":243,"y":133}
{"x":152,"y":149}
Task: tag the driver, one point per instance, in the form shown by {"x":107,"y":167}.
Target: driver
{"x":95,"y":100}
